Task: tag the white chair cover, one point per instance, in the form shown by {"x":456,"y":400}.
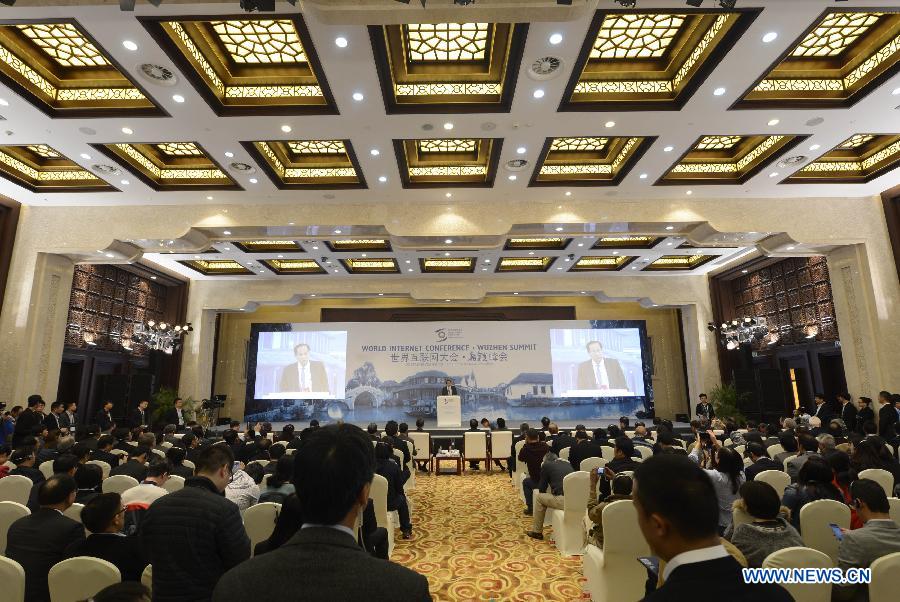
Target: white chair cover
{"x":590,"y":465}
{"x":880,"y":476}
{"x":119,"y":483}
{"x":46,"y":468}
{"x":147,"y":578}
{"x":189,"y":464}
{"x":475,"y":449}
{"x":608,"y":453}
{"x":501,"y":444}
{"x":774,"y":450}
{"x":739,"y":516}
{"x":104,"y":466}
{"x":378,"y":495}
{"x":814,"y":520}
{"x":791,"y":558}
{"x":884,"y":578}
{"x":74,"y":511}
{"x":12,"y":576}
{"x":568,"y":525}
{"x":564,"y":453}
{"x":778,"y":479}
{"x":15,"y":488}
{"x":645,"y":451}
{"x":10,"y":512}
{"x":174,"y":483}
{"x":613,"y":573}
{"x":895,"y":509}
{"x":80,"y":578}
{"x":259,"y":522}
{"x":422,"y":441}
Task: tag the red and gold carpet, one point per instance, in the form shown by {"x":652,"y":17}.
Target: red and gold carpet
{"x":469,"y":541}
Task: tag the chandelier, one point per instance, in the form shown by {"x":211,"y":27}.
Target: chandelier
{"x":158,"y":336}
{"x":737,"y":332}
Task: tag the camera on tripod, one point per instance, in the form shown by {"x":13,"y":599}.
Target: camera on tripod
{"x":218,"y":401}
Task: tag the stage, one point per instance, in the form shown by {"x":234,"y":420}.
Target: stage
{"x":431,"y":426}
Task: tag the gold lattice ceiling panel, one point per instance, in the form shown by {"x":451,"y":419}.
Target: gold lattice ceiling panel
{"x":286,"y":267}
{"x":633,"y":60}
{"x":448,"y":67}
{"x":246,"y":65}
{"x":59,"y":68}
{"x":42,"y":168}
{"x":601,"y":263}
{"x":840,"y":59}
{"x":626,"y":242}
{"x":447,"y":265}
{"x":525,"y":264}
{"x":534,"y":243}
{"x":217,"y":267}
{"x":167,"y":166}
{"x":857,"y":160}
{"x":385,"y":265}
{"x":587,"y":161}
{"x":679,"y":263}
{"x":463,"y":162}
{"x":308,"y":164}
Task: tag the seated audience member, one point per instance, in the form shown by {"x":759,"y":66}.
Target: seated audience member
{"x":392,"y":430}
{"x":88,"y":479}
{"x":104,"y":518}
{"x":233,"y":440}
{"x":807,"y":446}
{"x":678,"y":514}
{"x":879,"y":535}
{"x":192,"y":447}
{"x":286,"y":525}
{"x":46,"y":451}
{"x":5,"y":452}
{"x":532,"y":454}
{"x":243,"y":489}
{"x":82,"y":452}
{"x":372,"y":429}
{"x":193,"y":535}
{"x":175,"y":455}
{"x":665,"y":443}
{"x":583,"y":448}
{"x":420,"y":425}
{"x":549,"y":492}
{"x":814,"y":482}
{"x":769,"y":531}
{"x":151,"y":488}
{"x":761,"y":461}
{"x":276,"y":451}
{"x":287,"y":434}
{"x":843,"y":476}
{"x":169,"y":435}
{"x":38,"y":541}
{"x":333,"y":471}
{"x":642,"y":437}
{"x":135,"y":466}
{"x":125,"y":591}
{"x":103,"y":451}
{"x":396,"y":498}
{"x":123,"y":437}
{"x":621,"y":490}
{"x":560,"y":441}
{"x":622,"y":461}
{"x":24,"y":459}
{"x":279,"y":485}
{"x":789,"y":443}
{"x":726,"y":474}
{"x":372,"y":538}
{"x":871,"y":453}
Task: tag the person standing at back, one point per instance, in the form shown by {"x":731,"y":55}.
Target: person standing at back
{"x":192,"y":536}
{"x":887,"y":415}
{"x":322,"y":562}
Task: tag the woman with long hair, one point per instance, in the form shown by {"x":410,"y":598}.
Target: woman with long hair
{"x":814,"y":482}
{"x":279,"y":485}
{"x":726,"y":474}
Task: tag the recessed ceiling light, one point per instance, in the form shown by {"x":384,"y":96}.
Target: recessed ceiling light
{"x":484,"y":269}
{"x":382,"y":179}
{"x":770,"y":37}
{"x":791,"y":248}
{"x":719,"y":91}
{"x":448,"y":194}
{"x":363,"y":255}
{"x":110,"y":255}
{"x":129,"y":45}
{"x":253,"y":180}
{"x":815,"y":147}
{"x":896,"y":92}
{"x":581,"y":244}
{"x":448,"y":241}
{"x":358,"y":96}
{"x":340,"y":42}
{"x":408,"y":261}
{"x":152,"y":277}
{"x":615,"y":252}
{"x":539,"y":93}
{"x":515,"y":293}
{"x":290,"y":223}
{"x":178,"y":98}
{"x":774,"y":174}
{"x":669,"y":149}
{"x":556,"y":38}
{"x":125,"y":182}
{"x":409,"y":270}
{"x":558,"y":268}
{"x":313,"y":295}
{"x":774,"y":122}
{"x":446,"y":300}
{"x":286,"y":128}
{"x":670,"y":227}
{"x":513,"y":177}
{"x":446,"y":254}
{"x":85,"y":156}
{"x":559,"y":229}
{"x":127,"y":131}
{"x":689,"y":192}
{"x":226,"y":232}
{"x":448,"y":126}
{"x":487,"y":260}
{"x":381,"y":294}
{"x":521,"y":150}
{"x":227,"y":248}
{"x":229,"y":154}
{"x":669,"y":244}
{"x":374,"y":152}
{"x":643,"y":176}
{"x":4,"y":102}
{"x":337,"y":231}
{"x":531,"y":252}
{"x":280,"y":256}
{"x":610,"y":124}
{"x":743,"y":271}
{"x":583,"y":292}
{"x":634,"y":268}
{"x":209,"y":198}
{"x":315,"y":248}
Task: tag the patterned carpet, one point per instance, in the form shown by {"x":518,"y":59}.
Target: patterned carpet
{"x":469,"y":541}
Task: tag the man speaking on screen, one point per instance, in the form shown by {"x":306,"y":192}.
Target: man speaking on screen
{"x":600,"y":373}
{"x":304,"y":376}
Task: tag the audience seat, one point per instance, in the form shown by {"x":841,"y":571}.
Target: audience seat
{"x":520,"y":472}
{"x":422,"y":441}
{"x":80,"y":578}
{"x":501,"y":444}
{"x":15,"y":488}
{"x":10,"y":512}
{"x":590,"y":465}
{"x":46,"y":468}
{"x":774,"y":450}
{"x":795,"y":558}
{"x":190,"y":465}
{"x":564,"y":453}
{"x":740,"y":449}
{"x":778,"y":479}
{"x":613,"y":573}
{"x":74,"y":511}
{"x":608,"y":453}
{"x":568,"y":523}
{"x":12,"y":576}
{"x":104,"y":466}
{"x":884,"y":578}
{"x":880,"y":476}
{"x":814,"y":520}
{"x":264,"y":484}
{"x":259,"y":522}
{"x":475,"y":449}
{"x":174,"y":483}
{"x":165,"y":445}
{"x":147,"y":579}
{"x":629,"y":434}
{"x":739,"y":516}
{"x":378,"y":495}
{"x":645,"y":451}
{"x":262,"y":463}
{"x":895,"y":509}
{"x":119,"y":483}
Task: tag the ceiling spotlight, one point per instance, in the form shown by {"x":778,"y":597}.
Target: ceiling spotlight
{"x":127,"y":131}
{"x":337,"y":231}
{"x":689,"y":192}
{"x":770,"y":37}
{"x":129,"y":45}
{"x":4,"y":102}
{"x":229,"y":154}
{"x":670,"y":227}
{"x":358,"y":96}
{"x":125,"y":182}
{"x":610,"y":124}
{"x":556,"y":38}
{"x":539,"y":93}
{"x":719,"y":91}
{"x":85,"y":156}
{"x":559,"y":229}
{"x":521,"y":150}
{"x":512,"y":178}
{"x":178,"y":98}
{"x":633,"y":3}
{"x":815,"y":147}
{"x":448,"y":194}
{"x":643,"y":176}
{"x":774,"y":122}
{"x":374,"y":152}
{"x":896,"y":92}
{"x":448,"y":126}
{"x":568,"y":193}
{"x":226,"y":232}
{"x":341,"y":42}
{"x":791,"y":248}
{"x":382,"y":179}
{"x":286,"y":129}
{"x":449,"y":241}
{"x":774,"y":174}
{"x":668,"y":149}
{"x":253,"y":180}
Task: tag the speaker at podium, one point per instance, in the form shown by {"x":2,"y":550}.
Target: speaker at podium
{"x":449,"y":411}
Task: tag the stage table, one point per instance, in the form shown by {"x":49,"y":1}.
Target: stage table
{"x":456,"y":458}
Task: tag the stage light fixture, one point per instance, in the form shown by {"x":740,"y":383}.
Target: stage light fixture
{"x":729,"y":4}
{"x":627,"y":3}
{"x":695,"y":3}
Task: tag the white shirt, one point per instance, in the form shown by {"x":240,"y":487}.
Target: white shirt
{"x":145,"y":493}
{"x":694,"y":556}
{"x":305,"y":376}
{"x":600,"y":374}
{"x":180,"y":416}
{"x":343,"y":528}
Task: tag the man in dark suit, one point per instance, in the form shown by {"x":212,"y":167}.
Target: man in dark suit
{"x":139,"y":416}
{"x":30,"y":420}
{"x":103,"y":451}
{"x":134,"y":467}
{"x":67,"y":418}
{"x":583,"y":448}
{"x":558,"y":440}
{"x":38,"y":541}
{"x":822,"y":411}
{"x":104,"y":417}
{"x":333,"y":472}
{"x":304,"y":376}
{"x":887,"y":416}
{"x":449,"y":388}
{"x":24,"y":459}
{"x":704,"y":408}
{"x":678,"y":513}
{"x":848,"y":411}
{"x":104,"y":517}
{"x":52,"y":421}
{"x":761,"y":461}
{"x":622,"y":461}
{"x":177,"y":416}
{"x":600,"y":373}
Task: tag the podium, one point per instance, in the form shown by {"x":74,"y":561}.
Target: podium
{"x":449,"y":411}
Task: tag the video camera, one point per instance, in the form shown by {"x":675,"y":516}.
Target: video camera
{"x":218,"y":401}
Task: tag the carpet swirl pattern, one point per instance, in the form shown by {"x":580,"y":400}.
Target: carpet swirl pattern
{"x":469,"y":541}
